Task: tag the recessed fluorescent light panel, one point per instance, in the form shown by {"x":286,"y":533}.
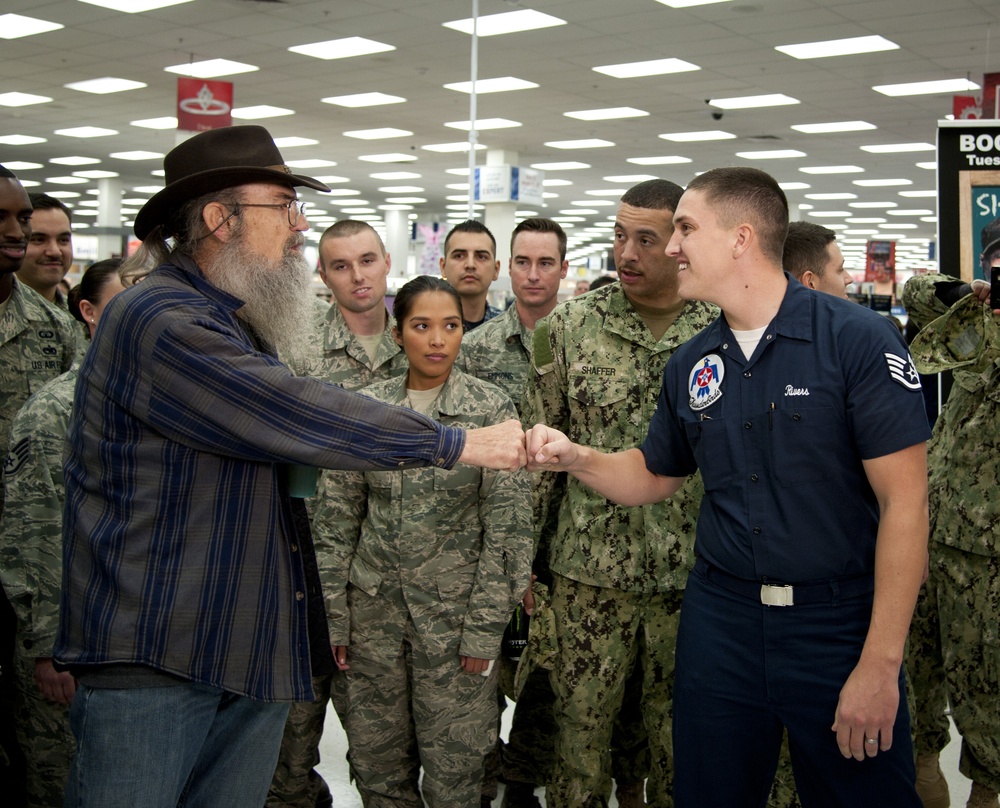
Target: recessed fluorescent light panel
{"x":832,"y":127}
{"x":698,"y":137}
{"x":898,"y":148}
{"x":771,"y":154}
{"x":75,"y":161}
{"x":690,"y":3}
{"x":134,"y":6}
{"x":507,"y":22}
{"x":568,"y":165}
{"x":377,"y":134}
{"x":395,"y":157}
{"x":104,"y":86}
{"x":342,"y":48}
{"x":211,"y":68}
{"x":831,"y":169}
{"x":20,"y":140}
{"x":664,"y":160}
{"x":292,"y":142}
{"x":86,"y":131}
{"x":447,"y":148}
{"x":590,"y":143}
{"x":652,"y":67}
{"x":607,"y":114}
{"x":136,"y":155}
{"x":882,"y":183}
{"x":502,"y":84}
{"x":14,"y":26}
{"x":794,"y":186}
{"x":356,"y":100}
{"x":838,"y":47}
{"x":926,"y":87}
{"x":260,"y":111}
{"x":16,"y":99}
{"x":484,"y":124}
{"x":166,"y":122}
{"x":753,"y":101}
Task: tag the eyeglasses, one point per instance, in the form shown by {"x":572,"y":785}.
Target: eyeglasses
{"x":294,"y":207}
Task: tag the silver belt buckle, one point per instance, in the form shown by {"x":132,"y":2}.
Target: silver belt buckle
{"x":776,"y":595}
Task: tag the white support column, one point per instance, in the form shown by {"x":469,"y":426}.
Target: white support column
{"x":109,"y":218}
{"x":500,"y":218}
{"x":397,"y":240}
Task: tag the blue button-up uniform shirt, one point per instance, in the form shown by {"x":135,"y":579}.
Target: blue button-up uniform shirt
{"x":780,"y":438}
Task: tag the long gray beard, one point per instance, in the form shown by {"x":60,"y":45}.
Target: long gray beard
{"x":277,"y":300}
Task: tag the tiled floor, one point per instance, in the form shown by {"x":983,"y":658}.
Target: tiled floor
{"x":334,"y":768}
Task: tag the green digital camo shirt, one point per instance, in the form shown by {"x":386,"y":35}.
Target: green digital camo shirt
{"x":499,"y":352}
{"x":38,"y":341}
{"x":597,"y":376}
{"x":31,"y":527}
{"x":962,"y":456}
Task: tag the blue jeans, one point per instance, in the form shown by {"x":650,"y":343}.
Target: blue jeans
{"x":744,"y":671}
{"x":160,"y":747}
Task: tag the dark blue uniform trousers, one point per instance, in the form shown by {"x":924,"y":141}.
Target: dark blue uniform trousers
{"x":743,"y":671}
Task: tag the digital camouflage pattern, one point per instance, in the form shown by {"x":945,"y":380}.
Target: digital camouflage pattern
{"x":597,"y":373}
{"x":499,"y":352}
{"x":31,"y":572}
{"x":597,"y":376}
{"x":38,"y":341}
{"x":336,"y":356}
{"x":964,"y":477}
{"x":436,"y":561}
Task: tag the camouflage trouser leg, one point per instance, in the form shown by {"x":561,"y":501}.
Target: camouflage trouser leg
{"x":528,"y":756}
{"x":403,"y":716}
{"x":969,"y":607}
{"x":45,"y":736}
{"x":925,"y":674}
{"x":601,"y":632}
{"x":630,"y":761}
{"x":296,"y":783}
{"x":493,"y":765}
{"x":783,"y":793}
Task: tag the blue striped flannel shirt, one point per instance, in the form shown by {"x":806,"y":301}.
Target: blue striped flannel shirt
{"x":179,"y":551}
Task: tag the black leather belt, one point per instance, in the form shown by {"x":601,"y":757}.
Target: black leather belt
{"x":775,"y":594}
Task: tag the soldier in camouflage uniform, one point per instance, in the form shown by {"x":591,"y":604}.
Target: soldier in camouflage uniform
{"x":423,"y":569}
{"x":964,"y":512}
{"x":38,"y":342}
{"x":353,"y":348}
{"x":31,"y":556}
{"x":500,"y":352}
{"x":619,"y":573}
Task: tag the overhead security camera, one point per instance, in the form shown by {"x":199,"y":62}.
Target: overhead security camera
{"x":716,"y":116}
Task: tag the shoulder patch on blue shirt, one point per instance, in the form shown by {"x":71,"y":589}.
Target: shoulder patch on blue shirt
{"x":902,"y":370}
{"x":705,"y":382}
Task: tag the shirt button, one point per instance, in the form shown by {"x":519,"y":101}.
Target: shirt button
{"x":796,"y":417}
{"x":441,"y":461}
{"x":754,"y":478}
{"x":768,"y":337}
{"x":756,"y":531}
{"x":747,"y":425}
{"x":747,"y":375}
{"x":401,"y":463}
{"x":299,"y":596}
{"x":725,"y":345}
{"x":295,"y":548}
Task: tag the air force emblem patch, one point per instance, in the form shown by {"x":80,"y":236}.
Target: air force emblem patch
{"x":902,"y":370}
{"x":705,"y":382}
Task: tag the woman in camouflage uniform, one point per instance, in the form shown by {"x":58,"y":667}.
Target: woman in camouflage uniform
{"x":434,"y":562}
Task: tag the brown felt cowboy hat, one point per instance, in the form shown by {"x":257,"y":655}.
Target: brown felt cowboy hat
{"x":211,"y":161}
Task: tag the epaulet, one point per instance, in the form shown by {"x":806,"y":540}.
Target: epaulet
{"x":541,"y":350}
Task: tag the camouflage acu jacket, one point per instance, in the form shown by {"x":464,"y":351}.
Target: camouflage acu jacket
{"x":499,"y":352}
{"x":597,"y":376}
{"x":449,"y":550}
{"x":31,"y":527}
{"x":963,"y":456}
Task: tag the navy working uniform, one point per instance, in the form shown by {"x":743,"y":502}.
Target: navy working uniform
{"x":779,"y":441}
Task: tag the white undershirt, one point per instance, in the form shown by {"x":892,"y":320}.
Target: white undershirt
{"x":748,"y":340}
{"x":423,"y":400}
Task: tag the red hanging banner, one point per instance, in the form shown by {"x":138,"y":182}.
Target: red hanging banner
{"x":203,"y":104}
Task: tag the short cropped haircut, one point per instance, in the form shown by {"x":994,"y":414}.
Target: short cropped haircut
{"x":46,"y":202}
{"x":653,"y":195}
{"x":805,"y":248}
{"x":470,"y":226}
{"x":739,"y":194}
{"x":7,"y":174}
{"x":346,"y":228}
{"x":539,"y":225}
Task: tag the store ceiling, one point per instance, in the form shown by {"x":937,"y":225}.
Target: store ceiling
{"x":732,"y":42}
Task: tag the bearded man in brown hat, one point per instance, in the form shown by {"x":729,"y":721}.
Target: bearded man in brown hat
{"x":191,"y":613}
